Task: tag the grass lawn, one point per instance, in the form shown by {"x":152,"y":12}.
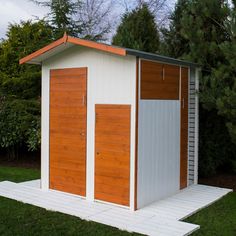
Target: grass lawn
{"x":22,"y":219}
{"x":217,"y":219}
{"x":26,"y":220}
{"x":16,"y":174}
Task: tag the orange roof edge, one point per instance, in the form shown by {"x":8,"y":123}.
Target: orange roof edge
{"x":98,"y":46}
{"x":76,"y":41}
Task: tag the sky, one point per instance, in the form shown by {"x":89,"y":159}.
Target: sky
{"x":13,"y":11}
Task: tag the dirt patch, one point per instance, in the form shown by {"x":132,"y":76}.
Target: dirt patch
{"x":220,"y":180}
{"x":33,"y":163}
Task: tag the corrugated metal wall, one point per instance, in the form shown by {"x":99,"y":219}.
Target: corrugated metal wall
{"x":158,"y":150}
{"x":191,"y":149}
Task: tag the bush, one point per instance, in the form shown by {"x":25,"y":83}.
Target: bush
{"x":19,"y":125}
{"x":216,"y":149}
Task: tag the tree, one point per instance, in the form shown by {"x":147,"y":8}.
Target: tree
{"x":159,"y":8}
{"x":89,"y":19}
{"x":95,"y":19}
{"x":61,"y":16}
{"x":138,"y":30}
{"x":198,"y":33}
{"x":173,"y":43}
{"x":203,"y":25}
{"x":20,"y":86}
{"x":224,"y":76}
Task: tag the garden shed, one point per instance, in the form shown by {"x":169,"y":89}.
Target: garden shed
{"x":118,"y":125}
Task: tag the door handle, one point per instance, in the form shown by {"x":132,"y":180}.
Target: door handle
{"x":83,"y":100}
{"x":163,"y":73}
{"x":82,"y":134}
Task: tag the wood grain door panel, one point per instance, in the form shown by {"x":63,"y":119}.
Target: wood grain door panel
{"x":184,"y":128}
{"x":159,"y":81}
{"x":68,"y":114}
{"x":112,"y":153}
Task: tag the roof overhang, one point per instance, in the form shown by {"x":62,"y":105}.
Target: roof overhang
{"x":160,"y":58}
{"x":67,"y":42}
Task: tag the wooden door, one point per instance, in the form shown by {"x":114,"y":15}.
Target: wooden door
{"x":112,"y":154}
{"x":184,"y":128}
{"x":68,"y":89}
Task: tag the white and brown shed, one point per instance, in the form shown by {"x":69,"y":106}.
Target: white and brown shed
{"x":118,"y":125}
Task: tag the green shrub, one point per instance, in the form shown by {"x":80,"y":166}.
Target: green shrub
{"x":216,"y":149}
{"x":19,"y":125}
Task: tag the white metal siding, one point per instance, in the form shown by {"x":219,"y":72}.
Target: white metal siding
{"x":192,"y":115}
{"x":45,"y":129}
{"x":111,"y":80}
{"x":158,"y":150}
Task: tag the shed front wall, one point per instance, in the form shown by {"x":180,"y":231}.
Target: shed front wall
{"x":111,"y":79}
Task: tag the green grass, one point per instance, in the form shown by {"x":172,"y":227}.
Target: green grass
{"x":218,"y":219}
{"x":18,"y":219}
{"x":16,"y":174}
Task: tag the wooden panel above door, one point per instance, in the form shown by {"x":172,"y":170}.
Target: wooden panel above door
{"x":159,"y":81}
{"x":112,"y":153}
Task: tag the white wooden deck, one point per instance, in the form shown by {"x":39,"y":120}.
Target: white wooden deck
{"x":160,"y":218}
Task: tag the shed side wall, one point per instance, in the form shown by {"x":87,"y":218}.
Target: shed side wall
{"x":111,"y":80}
{"x":158,"y":150}
{"x":152,"y":182}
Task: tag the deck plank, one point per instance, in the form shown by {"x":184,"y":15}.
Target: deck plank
{"x":160,"y":218}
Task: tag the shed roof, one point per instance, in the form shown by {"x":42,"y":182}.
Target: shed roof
{"x":67,"y":41}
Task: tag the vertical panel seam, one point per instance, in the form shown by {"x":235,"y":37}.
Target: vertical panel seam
{"x":136,"y":132}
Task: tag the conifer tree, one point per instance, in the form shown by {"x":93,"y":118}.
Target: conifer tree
{"x":173,"y":43}
{"x":225,"y":77}
{"x":61,"y":16}
{"x":203,"y":25}
{"x":138,"y":30}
